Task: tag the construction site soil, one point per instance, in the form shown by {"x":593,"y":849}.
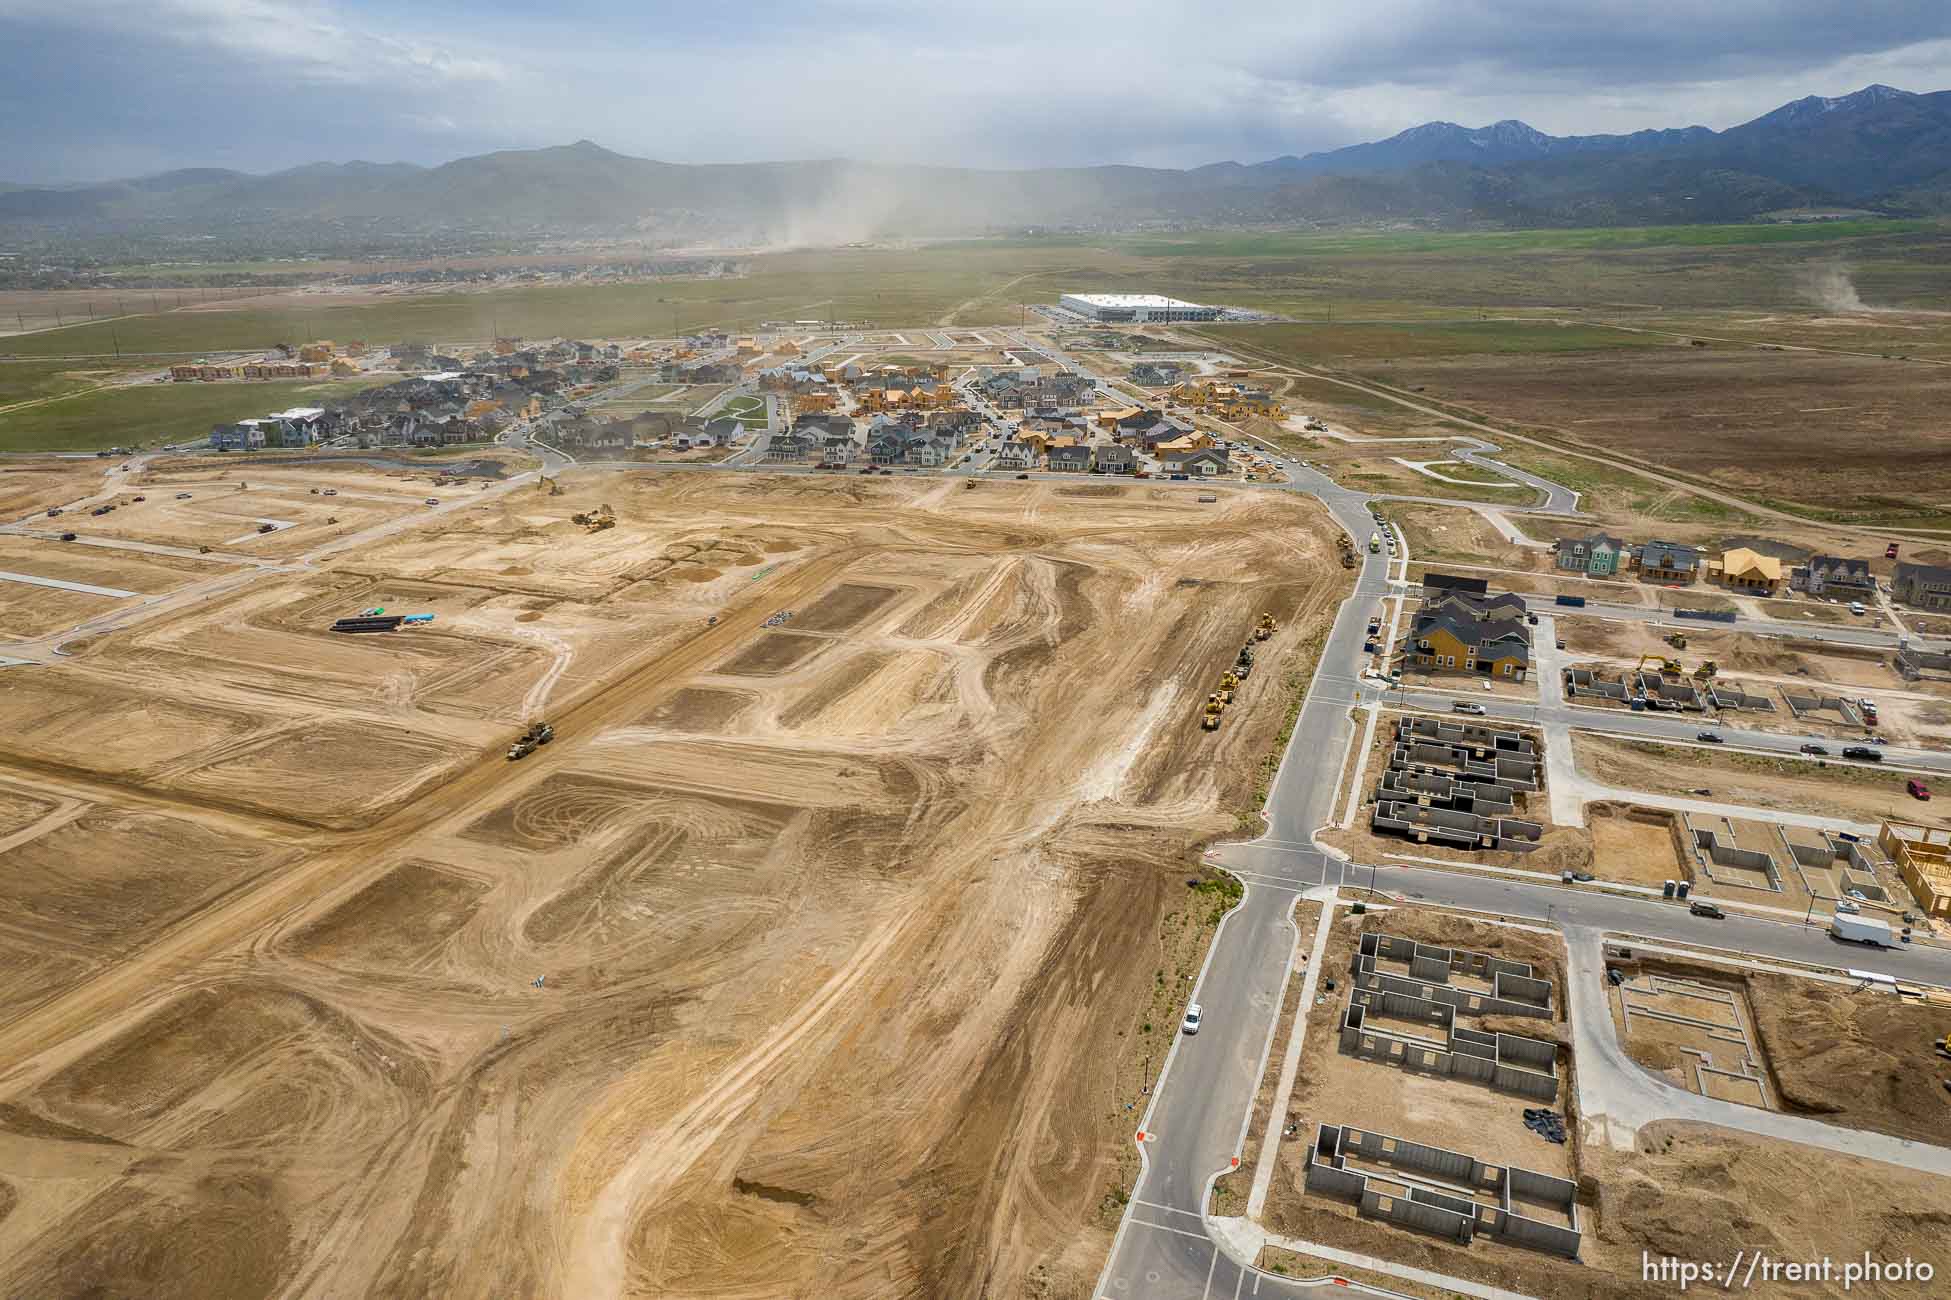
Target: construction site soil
{"x":811,"y":958}
{"x":1689,"y":1191}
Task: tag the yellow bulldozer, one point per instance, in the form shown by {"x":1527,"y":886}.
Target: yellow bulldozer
{"x":1265,"y":627}
{"x":596,"y":520}
{"x":1228,"y":683}
{"x":1707,"y":671}
{"x":1677,"y":639}
{"x":1209,"y":717}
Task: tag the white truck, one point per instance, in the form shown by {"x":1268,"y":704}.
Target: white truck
{"x":1860,"y":929}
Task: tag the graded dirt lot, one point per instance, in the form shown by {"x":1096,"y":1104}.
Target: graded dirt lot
{"x":812,"y":959}
{"x":1851,"y":791}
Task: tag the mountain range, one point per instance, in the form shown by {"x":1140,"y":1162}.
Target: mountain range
{"x":1882,"y":150}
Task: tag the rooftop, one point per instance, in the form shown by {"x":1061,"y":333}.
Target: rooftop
{"x":1130,"y":300}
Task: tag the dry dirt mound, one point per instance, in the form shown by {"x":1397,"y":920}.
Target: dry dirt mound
{"x":1864,"y":1054}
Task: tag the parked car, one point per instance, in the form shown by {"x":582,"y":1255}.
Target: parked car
{"x":1022,"y":476}
{"x":1846,"y":906}
{"x":53,"y":511}
{"x":1191,"y":1022}
{"x":1816,"y":750}
{"x":182,"y":496}
{"x":433,"y":501}
{"x":1701,"y":907}
{"x":1465,"y":706}
{"x":1863,"y":752}
{"x":1856,"y":607}
{"x":1711,"y":737}
{"x":1917,"y":789}
{"x":67,"y":537}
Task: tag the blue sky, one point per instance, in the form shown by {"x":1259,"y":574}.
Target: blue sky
{"x":100,"y":88}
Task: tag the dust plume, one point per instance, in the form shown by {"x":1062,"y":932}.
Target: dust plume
{"x":1829,"y":285}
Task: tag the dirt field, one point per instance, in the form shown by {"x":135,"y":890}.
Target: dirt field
{"x":1851,"y":791}
{"x":1633,"y":845}
{"x":801,"y":950}
{"x":1739,"y":416}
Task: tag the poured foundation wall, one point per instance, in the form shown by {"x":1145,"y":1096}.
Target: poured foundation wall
{"x":1477,"y":1197}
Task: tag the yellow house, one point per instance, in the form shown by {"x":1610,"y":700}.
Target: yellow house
{"x":1109,"y":419}
{"x":341,"y":366}
{"x":1749,"y":570}
{"x":318,"y":353}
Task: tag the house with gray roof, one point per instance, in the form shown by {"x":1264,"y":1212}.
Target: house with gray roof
{"x":1668,"y":562}
{"x":1598,"y":556}
{"x":1834,"y":575}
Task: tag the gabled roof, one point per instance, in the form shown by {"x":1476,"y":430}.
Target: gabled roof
{"x":1842,"y":565}
{"x":1744,"y":560}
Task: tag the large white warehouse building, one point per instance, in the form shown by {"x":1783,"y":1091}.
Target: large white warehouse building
{"x":1134,"y":307}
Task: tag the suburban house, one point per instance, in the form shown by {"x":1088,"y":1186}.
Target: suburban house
{"x":1072,"y":456}
{"x":1922,"y":586}
{"x":1599,"y":555}
{"x":245,"y":435}
{"x":1201,"y":461}
{"x":1826,"y":575}
{"x":1749,"y":570}
{"x":1668,"y":562}
{"x":1462,"y":631}
{"x":1015,"y":455}
{"x":1115,"y":459}
{"x":1157,"y":374}
{"x":794,"y":444}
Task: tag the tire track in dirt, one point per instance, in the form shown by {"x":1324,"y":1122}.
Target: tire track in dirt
{"x":356,"y":861}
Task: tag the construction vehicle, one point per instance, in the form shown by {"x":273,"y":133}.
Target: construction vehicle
{"x":1265,"y":627}
{"x":596,"y":520}
{"x":1228,"y":683}
{"x":1209,"y":718}
{"x":1677,"y":639}
{"x":1668,"y":667}
{"x":538,"y":734}
{"x":549,"y":486}
{"x":1707,"y":671}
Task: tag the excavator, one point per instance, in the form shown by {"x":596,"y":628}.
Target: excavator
{"x":549,"y":486}
{"x":1209,"y":719}
{"x":1668,"y":667}
{"x":1265,"y":627}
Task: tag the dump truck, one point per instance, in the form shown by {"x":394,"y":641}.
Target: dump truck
{"x":1265,"y":627}
{"x":1861,"y":929}
{"x":538,"y":734}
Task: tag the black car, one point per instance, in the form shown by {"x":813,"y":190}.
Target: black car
{"x":1706,"y":909}
{"x":67,"y":537}
{"x":1816,"y":750}
{"x":1711,"y":737}
{"x":1863,"y":752}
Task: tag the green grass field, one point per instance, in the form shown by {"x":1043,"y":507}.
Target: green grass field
{"x":24,"y":381}
{"x":149,"y":415}
{"x":1608,"y":490}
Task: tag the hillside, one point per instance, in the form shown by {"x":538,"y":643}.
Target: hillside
{"x":1879,"y":149}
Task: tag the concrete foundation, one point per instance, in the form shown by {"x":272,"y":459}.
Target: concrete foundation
{"x":1446,"y":1193}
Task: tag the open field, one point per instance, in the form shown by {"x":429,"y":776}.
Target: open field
{"x":764,"y":937}
{"x":1847,"y":790}
{"x":154,"y":413}
{"x":1852,"y":438}
{"x":1369,"y":469}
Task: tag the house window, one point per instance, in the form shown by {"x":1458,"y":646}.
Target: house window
{"x":1507,"y":670}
